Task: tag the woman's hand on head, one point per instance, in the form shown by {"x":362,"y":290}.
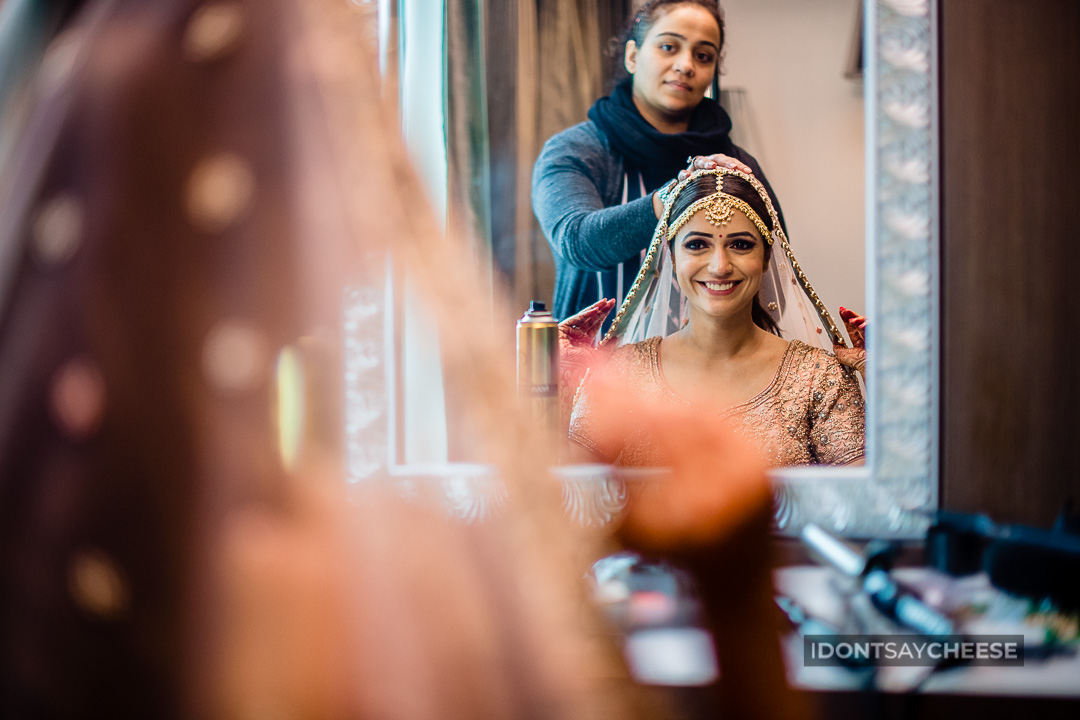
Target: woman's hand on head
{"x":710,"y":162}
{"x":703,"y":162}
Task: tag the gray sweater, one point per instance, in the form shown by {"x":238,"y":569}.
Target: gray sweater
{"x":577,"y":197}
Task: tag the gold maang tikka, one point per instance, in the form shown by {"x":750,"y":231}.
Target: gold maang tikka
{"x":719,"y":208}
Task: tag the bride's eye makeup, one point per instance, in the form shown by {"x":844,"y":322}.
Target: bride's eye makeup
{"x":695,"y":241}
{"x":744,"y":243}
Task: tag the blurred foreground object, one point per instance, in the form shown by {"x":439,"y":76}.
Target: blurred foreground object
{"x":199,"y":213}
{"x":204,"y":194}
{"x":711,"y":516}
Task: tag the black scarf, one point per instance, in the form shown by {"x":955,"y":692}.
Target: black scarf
{"x":659,"y":156}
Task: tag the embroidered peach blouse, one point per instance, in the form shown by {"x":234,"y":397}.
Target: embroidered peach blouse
{"x":811,"y":412}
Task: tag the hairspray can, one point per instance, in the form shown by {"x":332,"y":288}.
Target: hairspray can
{"x":538,"y":365}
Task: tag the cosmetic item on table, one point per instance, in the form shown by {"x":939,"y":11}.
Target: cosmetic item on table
{"x":871,"y":569}
{"x":803,"y":621}
{"x":1023,"y":560}
{"x":538,"y":364}
{"x":808,"y":625}
{"x":653,"y":607}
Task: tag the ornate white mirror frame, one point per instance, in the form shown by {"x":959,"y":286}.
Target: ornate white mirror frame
{"x":895,"y":494}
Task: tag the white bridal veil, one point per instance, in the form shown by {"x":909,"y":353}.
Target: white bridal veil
{"x":655,"y":305}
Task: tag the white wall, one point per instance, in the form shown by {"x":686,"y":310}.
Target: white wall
{"x":804,"y":122}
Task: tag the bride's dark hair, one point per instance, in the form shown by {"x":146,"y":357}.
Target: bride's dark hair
{"x":705,"y":185}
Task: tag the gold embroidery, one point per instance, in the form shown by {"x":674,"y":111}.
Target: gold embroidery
{"x":811,"y":412}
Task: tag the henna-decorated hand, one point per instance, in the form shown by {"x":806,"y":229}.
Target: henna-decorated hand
{"x":579,"y":331}
{"x":577,"y":352}
{"x":855,"y":356}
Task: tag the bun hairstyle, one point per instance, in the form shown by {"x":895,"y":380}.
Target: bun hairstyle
{"x":653,"y":10}
{"x":705,"y":185}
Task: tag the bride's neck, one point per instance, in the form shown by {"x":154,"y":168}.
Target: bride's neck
{"x":722,"y":338}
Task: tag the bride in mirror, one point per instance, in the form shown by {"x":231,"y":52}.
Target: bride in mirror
{"x":721,"y":319}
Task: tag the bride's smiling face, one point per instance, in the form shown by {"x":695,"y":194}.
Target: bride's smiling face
{"x":719,"y":268}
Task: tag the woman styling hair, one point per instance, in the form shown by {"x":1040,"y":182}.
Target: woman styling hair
{"x":722,"y":320}
{"x":594,"y":184}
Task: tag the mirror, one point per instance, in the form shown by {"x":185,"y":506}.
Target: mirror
{"x":903,"y":270}
{"x":894,"y":493}
{"x":891,"y":188}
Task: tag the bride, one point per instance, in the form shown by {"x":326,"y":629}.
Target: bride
{"x":739,"y":334}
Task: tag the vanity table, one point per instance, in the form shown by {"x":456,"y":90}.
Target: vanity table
{"x":989,"y":611}
{"x":1045,"y":687}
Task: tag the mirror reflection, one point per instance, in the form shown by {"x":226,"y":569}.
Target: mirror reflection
{"x":716,"y":310}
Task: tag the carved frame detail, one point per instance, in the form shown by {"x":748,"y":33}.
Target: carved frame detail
{"x":896,"y":493}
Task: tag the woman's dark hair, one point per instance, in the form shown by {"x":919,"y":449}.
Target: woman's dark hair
{"x":653,"y":10}
{"x":705,"y":185}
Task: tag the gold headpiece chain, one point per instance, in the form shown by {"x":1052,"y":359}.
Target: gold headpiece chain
{"x":719,"y":208}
